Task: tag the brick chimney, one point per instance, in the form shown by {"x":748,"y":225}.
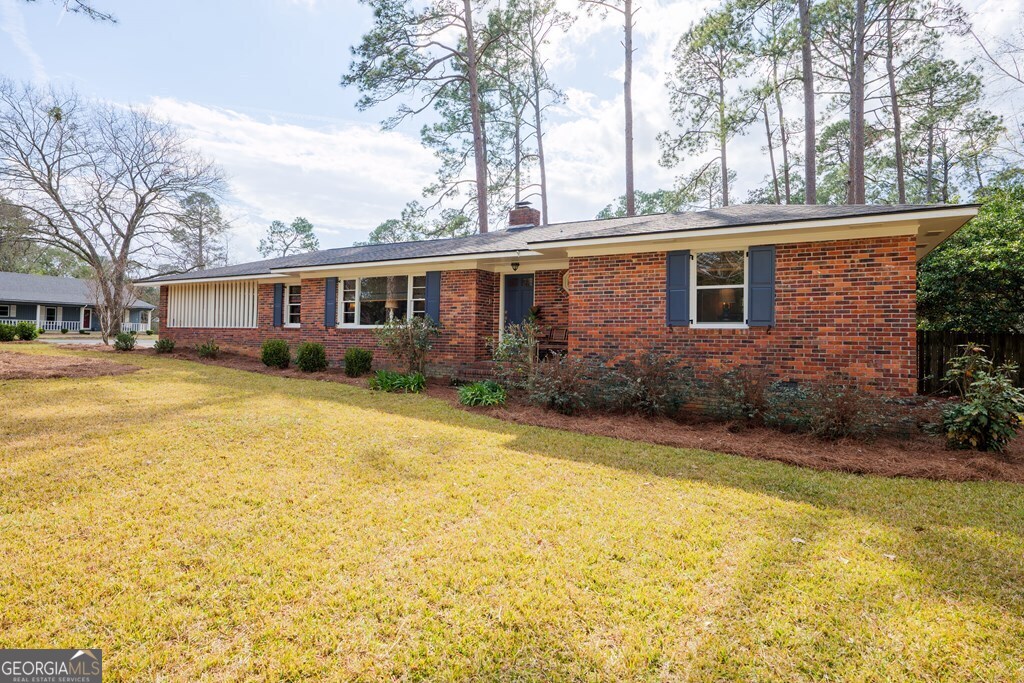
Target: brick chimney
{"x":523,"y":215}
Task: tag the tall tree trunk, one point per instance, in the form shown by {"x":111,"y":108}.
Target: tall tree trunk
{"x":721,"y":142}
{"x":518,"y":155}
{"x":771,"y":152}
{"x":810,"y":165}
{"x":929,"y":185}
{"x":479,"y":147}
{"x":627,"y":99}
{"x":538,"y":118}
{"x":897,"y":124}
{"x":856,"y":177}
{"x":783,"y":135}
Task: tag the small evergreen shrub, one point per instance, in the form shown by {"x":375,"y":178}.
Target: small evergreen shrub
{"x":652,"y":384}
{"x":311,"y":357}
{"x":487,"y":393}
{"x":839,"y":408}
{"x":26,"y":330}
{"x":991,"y":409}
{"x":275,"y":353}
{"x":83,"y":332}
{"x":164,"y":345}
{"x":208,"y":349}
{"x":7,"y":332}
{"x":560,"y":383}
{"x":124,"y":341}
{"x":515,"y":354}
{"x":391,"y":381}
{"x":788,"y":408}
{"x":358,"y":361}
{"x":409,"y":340}
{"x":149,"y":332}
{"x":738,"y":395}
{"x":63,"y":330}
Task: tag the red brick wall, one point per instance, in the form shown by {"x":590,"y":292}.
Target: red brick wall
{"x":551,"y":297}
{"x":841,"y":306}
{"x":469,"y":315}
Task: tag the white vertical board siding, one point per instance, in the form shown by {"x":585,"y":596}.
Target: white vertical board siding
{"x":212,"y":304}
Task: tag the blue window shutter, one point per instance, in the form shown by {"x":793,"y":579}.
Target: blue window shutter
{"x":434,"y":295}
{"x":278,"y":304}
{"x":677,"y":288}
{"x":761,"y":306}
{"x":330,"y":302}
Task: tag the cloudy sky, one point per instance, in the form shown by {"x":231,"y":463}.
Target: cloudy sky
{"x":255,"y":84}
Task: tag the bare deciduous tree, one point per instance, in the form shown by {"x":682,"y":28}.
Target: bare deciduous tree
{"x":101,"y":182}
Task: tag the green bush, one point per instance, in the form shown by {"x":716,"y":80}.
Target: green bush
{"x":149,"y":332}
{"x":63,"y":330}
{"x":838,"y":408}
{"x":391,"y":381}
{"x":651,"y":384}
{"x":83,"y":332}
{"x":560,"y":383}
{"x":738,"y":395}
{"x":311,"y":357}
{"x":515,"y":354}
{"x":409,"y":340}
{"x":991,"y":409}
{"x":164,"y":345}
{"x":7,"y":332}
{"x":26,"y":330}
{"x":275,"y":353}
{"x":208,"y":349}
{"x":358,"y":361}
{"x":124,"y":341}
{"x":488,"y":393}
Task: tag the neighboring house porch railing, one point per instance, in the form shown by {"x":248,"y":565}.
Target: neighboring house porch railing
{"x":134,"y":327}
{"x":58,"y":325}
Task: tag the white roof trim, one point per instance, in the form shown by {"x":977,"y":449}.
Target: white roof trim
{"x":846,"y":221}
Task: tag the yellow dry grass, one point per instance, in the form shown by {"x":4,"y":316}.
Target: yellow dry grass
{"x":198,"y":523}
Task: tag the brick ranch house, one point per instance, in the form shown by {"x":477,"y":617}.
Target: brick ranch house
{"x":804,"y":291}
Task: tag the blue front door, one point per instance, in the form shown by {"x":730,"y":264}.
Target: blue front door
{"x":518,"y":298}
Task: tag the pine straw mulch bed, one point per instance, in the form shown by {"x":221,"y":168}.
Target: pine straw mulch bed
{"x":14,"y":365}
{"x":918,"y":455}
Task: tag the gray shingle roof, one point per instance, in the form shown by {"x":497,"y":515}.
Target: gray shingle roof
{"x":46,"y":289}
{"x":525,"y":238}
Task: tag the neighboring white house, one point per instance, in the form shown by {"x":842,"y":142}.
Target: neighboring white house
{"x":60,"y":303}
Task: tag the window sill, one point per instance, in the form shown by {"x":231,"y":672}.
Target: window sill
{"x":293,"y":326}
{"x":720,"y":326}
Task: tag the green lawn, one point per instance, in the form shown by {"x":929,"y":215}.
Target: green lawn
{"x":196,"y":522}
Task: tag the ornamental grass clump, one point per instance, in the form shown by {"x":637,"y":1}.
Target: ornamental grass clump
{"x":487,"y":393}
{"x":397,"y":382}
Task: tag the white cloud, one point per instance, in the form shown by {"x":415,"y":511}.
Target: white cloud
{"x":13,"y":24}
{"x":344,"y":177}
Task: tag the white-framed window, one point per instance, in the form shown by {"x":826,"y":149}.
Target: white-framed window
{"x":8,"y":310}
{"x":718,"y":297}
{"x":293,"y":306}
{"x":372,"y":301}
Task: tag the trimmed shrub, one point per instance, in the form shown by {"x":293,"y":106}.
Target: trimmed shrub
{"x":311,"y":357}
{"x":560,"y":383}
{"x":83,"y":332}
{"x":208,"y":349}
{"x":275,"y":353}
{"x":149,"y":332}
{"x":26,"y":330}
{"x":487,"y":393}
{"x":409,"y":340}
{"x":652,"y":384}
{"x":164,"y":345}
{"x":839,"y":408}
{"x":7,"y":332}
{"x":358,"y":361}
{"x":738,"y":395}
{"x":991,"y":409}
{"x":124,"y":341}
{"x":63,"y":330}
{"x":391,"y":381}
{"x":788,"y":408}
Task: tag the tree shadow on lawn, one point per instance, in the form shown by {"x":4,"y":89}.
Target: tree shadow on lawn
{"x":965,"y":519}
{"x":943,"y":529}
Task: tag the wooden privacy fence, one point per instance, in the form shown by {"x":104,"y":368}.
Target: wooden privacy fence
{"x":934,"y":349}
